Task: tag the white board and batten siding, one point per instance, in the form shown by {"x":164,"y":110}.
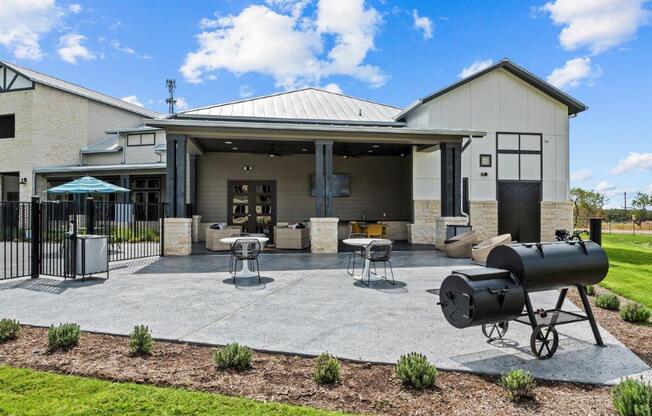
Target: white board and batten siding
{"x":496,"y":102}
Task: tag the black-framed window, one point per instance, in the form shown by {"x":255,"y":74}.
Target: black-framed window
{"x":485,"y":161}
{"x":7,"y":126}
{"x":144,"y":139}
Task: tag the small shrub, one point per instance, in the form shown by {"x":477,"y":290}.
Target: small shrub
{"x":590,"y":290}
{"x":519,"y":385}
{"x":63,"y":336}
{"x":140,"y":340}
{"x":632,"y":398}
{"x":327,"y":369}
{"x":234,"y":356}
{"x":8,"y":329}
{"x":415,"y":370}
{"x":635,"y":312}
{"x":607,"y":301}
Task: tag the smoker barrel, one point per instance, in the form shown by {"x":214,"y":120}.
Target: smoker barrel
{"x":479,"y":296}
{"x":552,"y":266}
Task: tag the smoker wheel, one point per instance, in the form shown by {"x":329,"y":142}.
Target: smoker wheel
{"x":495,"y":331}
{"x":544,"y":341}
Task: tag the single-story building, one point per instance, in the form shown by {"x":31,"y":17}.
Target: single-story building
{"x":490,"y":150}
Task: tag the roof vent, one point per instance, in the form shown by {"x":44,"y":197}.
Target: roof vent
{"x":360,"y":112}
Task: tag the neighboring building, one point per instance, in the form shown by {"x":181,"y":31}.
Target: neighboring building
{"x":491,"y":149}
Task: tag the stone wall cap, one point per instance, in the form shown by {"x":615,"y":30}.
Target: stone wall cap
{"x":179,"y":220}
{"x":324,"y":219}
{"x":452,"y":218}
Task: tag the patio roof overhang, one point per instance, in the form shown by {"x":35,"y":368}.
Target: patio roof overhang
{"x":303,"y":132}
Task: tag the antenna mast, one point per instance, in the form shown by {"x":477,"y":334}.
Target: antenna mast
{"x":171,"y":85}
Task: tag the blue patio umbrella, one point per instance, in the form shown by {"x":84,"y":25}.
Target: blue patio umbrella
{"x":87,"y":185}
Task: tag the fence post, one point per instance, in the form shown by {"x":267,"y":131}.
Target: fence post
{"x":35,"y":259}
{"x":161,"y":215}
{"x":90,"y":215}
{"x":595,"y":230}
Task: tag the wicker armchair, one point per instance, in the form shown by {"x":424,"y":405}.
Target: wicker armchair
{"x":213,"y":237}
{"x":291,"y":238}
{"x":480,"y":251}
{"x":460,"y":246}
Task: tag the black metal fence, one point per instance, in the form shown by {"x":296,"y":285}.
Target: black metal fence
{"x":41,"y":237}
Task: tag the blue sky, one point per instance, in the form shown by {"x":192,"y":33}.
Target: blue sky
{"x":388,"y":51}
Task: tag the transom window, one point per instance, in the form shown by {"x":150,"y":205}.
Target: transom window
{"x":145,"y":139}
{"x":7,"y":126}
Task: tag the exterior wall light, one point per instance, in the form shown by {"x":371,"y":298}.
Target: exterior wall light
{"x":248,"y":168}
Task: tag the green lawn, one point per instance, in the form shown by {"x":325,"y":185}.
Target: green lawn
{"x":630,"y":266}
{"x":28,"y":392}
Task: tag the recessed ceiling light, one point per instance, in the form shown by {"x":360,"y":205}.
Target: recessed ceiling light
{"x":375,"y":146}
{"x":345,"y":157}
{"x":228,"y":142}
{"x":304,"y":150}
{"x":370,"y":151}
{"x":402,"y":154}
{"x":235,"y":148}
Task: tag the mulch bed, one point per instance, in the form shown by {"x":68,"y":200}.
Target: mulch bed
{"x":636,"y":337}
{"x":365,"y":388}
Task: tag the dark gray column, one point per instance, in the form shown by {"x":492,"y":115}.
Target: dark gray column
{"x":328,"y":179}
{"x":451,"y":179}
{"x":124,"y":182}
{"x":170,"y":174}
{"x":180,"y":178}
{"x":319,"y":179}
{"x":192,"y":171}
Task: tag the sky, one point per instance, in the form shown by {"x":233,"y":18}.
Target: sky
{"x":393,"y":52}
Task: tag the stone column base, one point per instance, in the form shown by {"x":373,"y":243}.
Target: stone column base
{"x":441,"y":223}
{"x":484,"y":218}
{"x":421,"y":233}
{"x":178,"y":237}
{"x":555,"y":216}
{"x":323,"y":235}
{"x":196,"y":221}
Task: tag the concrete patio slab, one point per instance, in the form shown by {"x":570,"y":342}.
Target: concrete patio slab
{"x":308,"y":304}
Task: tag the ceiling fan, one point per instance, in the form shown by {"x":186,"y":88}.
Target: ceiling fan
{"x":273,"y":153}
{"x":346,"y":154}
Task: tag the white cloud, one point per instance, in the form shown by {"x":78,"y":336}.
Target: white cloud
{"x":582,"y":175}
{"x":332,"y":87}
{"x":605,"y":187}
{"x":634,"y":161}
{"x":181,"y":104}
{"x":288,"y":45}
{"x":128,"y":50}
{"x":71,"y":48}
{"x":574,"y":72}
{"x":132,"y":99}
{"x":24,"y":22}
{"x":245,"y":91}
{"x":597,"y":24}
{"x":423,"y":24}
{"x":75,"y":8}
{"x":476,"y":66}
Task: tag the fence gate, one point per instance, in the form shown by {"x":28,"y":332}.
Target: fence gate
{"x":15,"y":239}
{"x":57,"y":231}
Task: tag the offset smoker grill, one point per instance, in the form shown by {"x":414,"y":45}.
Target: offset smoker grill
{"x":497,"y":294}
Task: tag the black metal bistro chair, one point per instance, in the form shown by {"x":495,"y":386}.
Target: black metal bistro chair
{"x":231,"y":257}
{"x":378,"y":251}
{"x":245,"y":249}
{"x":357,"y":251}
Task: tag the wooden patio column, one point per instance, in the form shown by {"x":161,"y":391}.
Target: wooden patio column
{"x":323,"y":178}
{"x":451,"y":179}
{"x":175,"y":176}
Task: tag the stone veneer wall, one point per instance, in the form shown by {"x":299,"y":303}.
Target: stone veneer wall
{"x":196,"y":222}
{"x":441,"y":223}
{"x":178,"y":237}
{"x":484,"y":218}
{"x":423,"y":230}
{"x":555,"y":216}
{"x":323,"y":235}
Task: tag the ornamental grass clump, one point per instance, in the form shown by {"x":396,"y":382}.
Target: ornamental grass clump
{"x":519,"y":385}
{"x":415,"y":370}
{"x":63,"y":336}
{"x":632,"y":398}
{"x":590,"y":290}
{"x":140,"y":340}
{"x":8,"y":329}
{"x":233,"y":356}
{"x":635,"y":313}
{"x":607,"y":301}
{"x":327,"y":369}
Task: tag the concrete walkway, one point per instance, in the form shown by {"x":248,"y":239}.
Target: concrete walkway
{"x":308,"y":304}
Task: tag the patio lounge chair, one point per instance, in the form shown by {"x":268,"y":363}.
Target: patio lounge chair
{"x":480,"y":251}
{"x":378,"y":251}
{"x":245,"y":249}
{"x":357,"y":251}
{"x":460,"y":245}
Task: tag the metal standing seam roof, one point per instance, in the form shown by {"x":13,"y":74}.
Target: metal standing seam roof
{"x":108,"y":145}
{"x":312,"y":104}
{"x":62,"y":85}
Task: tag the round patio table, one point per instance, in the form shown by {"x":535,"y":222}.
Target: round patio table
{"x":362,"y":242}
{"x":245,"y":271}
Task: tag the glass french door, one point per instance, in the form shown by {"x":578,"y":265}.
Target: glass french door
{"x":252,"y":205}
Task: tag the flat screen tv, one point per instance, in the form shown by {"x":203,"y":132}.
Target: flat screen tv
{"x":341,"y":186}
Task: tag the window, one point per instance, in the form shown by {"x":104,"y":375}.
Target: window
{"x":7,"y":126}
{"x":485,"y":161}
{"x":146,"y":139}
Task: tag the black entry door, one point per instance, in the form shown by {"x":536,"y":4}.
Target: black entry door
{"x":519,"y":210}
{"x":252,"y":205}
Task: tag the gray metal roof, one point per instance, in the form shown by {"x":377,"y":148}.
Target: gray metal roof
{"x":107,"y":145}
{"x":100,"y":168}
{"x":574,"y":106}
{"x":62,"y":85}
{"x":309,"y":104}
